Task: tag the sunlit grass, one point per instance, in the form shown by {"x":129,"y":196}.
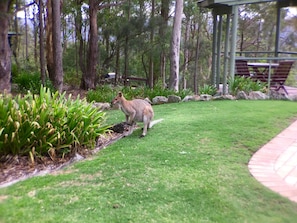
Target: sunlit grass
{"x":192,"y":167}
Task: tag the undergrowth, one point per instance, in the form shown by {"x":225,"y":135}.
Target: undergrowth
{"x":47,"y":124}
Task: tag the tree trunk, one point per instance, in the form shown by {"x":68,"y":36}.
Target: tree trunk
{"x":88,"y":78}
{"x":175,"y":46}
{"x":41,"y":42}
{"x":162,"y":31}
{"x":49,"y":42}
{"x":5,"y":55}
{"x":57,"y":44}
{"x":186,"y":52}
{"x":151,"y":61}
{"x":78,"y":32}
{"x":126,"y":51}
{"x":15,"y":44}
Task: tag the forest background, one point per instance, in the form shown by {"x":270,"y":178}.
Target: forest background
{"x":77,"y":42}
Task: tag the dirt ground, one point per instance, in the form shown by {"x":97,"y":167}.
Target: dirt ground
{"x":17,"y":168}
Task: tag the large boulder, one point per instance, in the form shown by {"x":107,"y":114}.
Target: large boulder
{"x":173,"y":99}
{"x":257,"y":95}
{"x":101,"y":106}
{"x":160,"y":100}
{"x":224,"y":97}
{"x":276,"y":95}
{"x":241,"y":95}
{"x":191,"y":98}
{"x":205,"y":97}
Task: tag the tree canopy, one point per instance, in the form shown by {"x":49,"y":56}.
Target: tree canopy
{"x":130,"y":38}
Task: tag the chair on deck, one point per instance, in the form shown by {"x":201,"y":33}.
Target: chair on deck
{"x":279,"y":77}
{"x":242,"y":68}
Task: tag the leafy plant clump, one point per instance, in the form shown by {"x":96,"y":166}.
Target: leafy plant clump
{"x":106,"y":93}
{"x":30,"y":82}
{"x":245,"y":84}
{"x":47,"y":124}
{"x":208,"y":89}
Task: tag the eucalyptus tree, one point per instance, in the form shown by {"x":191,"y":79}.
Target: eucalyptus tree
{"x":175,"y":46}
{"x":162,"y":35}
{"x":88,"y":80}
{"x":41,"y":41}
{"x":256,"y":27}
{"x":57,"y":76}
{"x":5,"y":55}
{"x":54,"y":44}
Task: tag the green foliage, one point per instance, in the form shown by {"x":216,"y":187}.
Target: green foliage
{"x":30,"y":82}
{"x":47,"y":124}
{"x":291,"y":80}
{"x":103,"y":93}
{"x":208,"y":89}
{"x":72,"y":78}
{"x":106,"y":93}
{"x":247,"y":85}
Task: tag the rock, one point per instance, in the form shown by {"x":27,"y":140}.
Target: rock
{"x":224,"y":97}
{"x":241,"y":95}
{"x":276,"y":95}
{"x":191,"y":98}
{"x":159,"y":100}
{"x":101,"y":106}
{"x":205,"y":97}
{"x":257,"y":95}
{"x":173,"y":99}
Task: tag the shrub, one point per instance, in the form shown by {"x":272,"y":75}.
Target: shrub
{"x":245,"y":84}
{"x":47,"y":124}
{"x":30,"y":82}
{"x":103,"y":93}
{"x":106,"y":93}
{"x":208,"y":89}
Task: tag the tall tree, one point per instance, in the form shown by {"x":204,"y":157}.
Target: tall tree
{"x":88,"y":78}
{"x":53,"y":44}
{"x":57,"y":76}
{"x":175,"y":46}
{"x":79,"y":36}
{"x":41,"y":41}
{"x":162,"y":32}
{"x":49,"y":40}
{"x":151,"y":61}
{"x":5,"y":55}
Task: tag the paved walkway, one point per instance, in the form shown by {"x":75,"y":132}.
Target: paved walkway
{"x":275,"y":164}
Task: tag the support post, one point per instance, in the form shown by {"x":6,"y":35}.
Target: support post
{"x":233,"y":40}
{"x":214,"y":49}
{"x":278,"y":18}
{"x":219,"y":50}
{"x":226,"y":56}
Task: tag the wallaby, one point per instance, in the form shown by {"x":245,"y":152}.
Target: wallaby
{"x":136,"y":110}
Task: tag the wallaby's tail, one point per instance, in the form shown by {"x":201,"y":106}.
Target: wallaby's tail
{"x":152,"y":123}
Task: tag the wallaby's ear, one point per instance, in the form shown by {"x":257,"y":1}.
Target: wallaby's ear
{"x":120,"y":94}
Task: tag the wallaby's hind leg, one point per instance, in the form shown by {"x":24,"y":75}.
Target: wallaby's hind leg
{"x":146,"y":123}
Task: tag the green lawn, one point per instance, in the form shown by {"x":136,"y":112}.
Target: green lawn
{"x":192,"y":167}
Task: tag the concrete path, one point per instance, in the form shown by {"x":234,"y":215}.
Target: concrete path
{"x":275,"y":164}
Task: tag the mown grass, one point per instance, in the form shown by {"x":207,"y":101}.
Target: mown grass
{"x":192,"y":167}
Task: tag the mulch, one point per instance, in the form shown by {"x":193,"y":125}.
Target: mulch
{"x":17,"y":168}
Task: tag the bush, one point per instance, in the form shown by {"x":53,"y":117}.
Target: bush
{"x":106,"y":93}
{"x":103,"y":93}
{"x":208,"y":89}
{"x":30,"y":82}
{"x":245,"y":84}
{"x":47,"y":124}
